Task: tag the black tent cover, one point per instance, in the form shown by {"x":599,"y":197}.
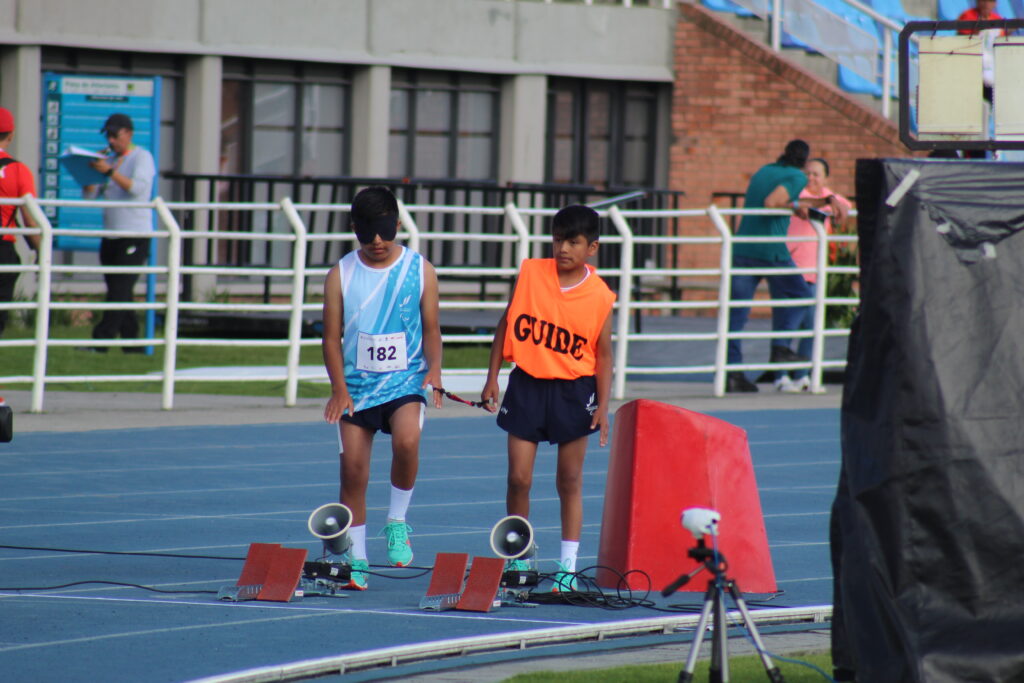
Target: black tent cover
{"x":928,"y":520}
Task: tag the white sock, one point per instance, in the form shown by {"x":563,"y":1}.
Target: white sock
{"x":399,"y":503}
{"x":357,"y":534}
{"x":569,"y":551}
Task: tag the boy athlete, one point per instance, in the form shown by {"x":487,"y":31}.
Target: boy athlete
{"x":382,"y":347}
{"x":557,"y":331}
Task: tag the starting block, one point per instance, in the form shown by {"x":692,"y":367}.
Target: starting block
{"x":271,"y":572}
{"x":446,"y":591}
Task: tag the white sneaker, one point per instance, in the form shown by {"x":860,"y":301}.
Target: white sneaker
{"x":787,"y":386}
{"x":802,"y":384}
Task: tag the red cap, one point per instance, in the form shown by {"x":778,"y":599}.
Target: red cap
{"x":6,"y":120}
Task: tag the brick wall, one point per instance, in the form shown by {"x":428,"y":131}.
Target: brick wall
{"x":736,"y":104}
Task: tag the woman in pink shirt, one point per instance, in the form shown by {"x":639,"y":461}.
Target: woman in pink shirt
{"x":805,"y":255}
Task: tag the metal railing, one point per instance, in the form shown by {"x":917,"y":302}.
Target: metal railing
{"x":624,"y":277}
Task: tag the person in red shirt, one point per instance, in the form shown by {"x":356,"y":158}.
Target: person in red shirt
{"x":15,"y":181}
{"x":984,"y":10}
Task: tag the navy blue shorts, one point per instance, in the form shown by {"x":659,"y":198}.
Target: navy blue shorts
{"x":552,"y":410}
{"x":378,"y":418}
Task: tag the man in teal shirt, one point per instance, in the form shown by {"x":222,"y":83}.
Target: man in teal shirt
{"x":774,"y":186}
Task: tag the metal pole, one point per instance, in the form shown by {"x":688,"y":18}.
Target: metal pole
{"x":818,"y":346}
{"x":44,"y":263}
{"x":298,"y":297}
{"x":724,"y":295}
{"x":625,"y":299}
{"x":886,"y":71}
{"x":519,"y":225}
{"x":410,"y":226}
{"x":171,"y":298}
{"x":776,"y":25}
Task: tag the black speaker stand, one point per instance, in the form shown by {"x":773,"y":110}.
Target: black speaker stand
{"x":714,"y":610}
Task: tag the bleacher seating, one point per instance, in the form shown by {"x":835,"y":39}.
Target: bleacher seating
{"x":727,"y":6}
{"x":847,"y":79}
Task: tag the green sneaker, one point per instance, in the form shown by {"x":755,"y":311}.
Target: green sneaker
{"x":360,"y":571}
{"x":564,"y":581}
{"x":399,"y":548}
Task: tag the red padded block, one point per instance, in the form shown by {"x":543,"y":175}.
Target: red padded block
{"x":283,"y":575}
{"x":449,"y":572}
{"x":482,"y":584}
{"x":257,"y":564}
{"x":665,"y":459}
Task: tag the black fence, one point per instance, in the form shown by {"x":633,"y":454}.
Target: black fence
{"x":340,"y":190}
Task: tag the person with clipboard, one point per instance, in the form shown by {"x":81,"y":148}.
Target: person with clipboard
{"x":130,"y":172}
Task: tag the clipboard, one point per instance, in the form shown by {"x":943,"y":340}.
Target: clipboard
{"x":76,"y":160}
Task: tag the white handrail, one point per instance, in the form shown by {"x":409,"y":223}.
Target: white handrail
{"x":518,"y":235}
{"x":625,"y":297}
{"x":172,"y":294}
{"x":298,"y":296}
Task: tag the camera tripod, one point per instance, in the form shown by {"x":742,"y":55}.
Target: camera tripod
{"x":714,"y":604}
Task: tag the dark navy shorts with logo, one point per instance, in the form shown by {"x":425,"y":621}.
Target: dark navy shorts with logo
{"x":378,"y":418}
{"x":552,"y":410}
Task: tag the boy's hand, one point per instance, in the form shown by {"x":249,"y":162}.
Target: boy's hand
{"x":433,"y":379}
{"x":490,"y":396}
{"x":337,"y":405}
{"x":600,"y":419}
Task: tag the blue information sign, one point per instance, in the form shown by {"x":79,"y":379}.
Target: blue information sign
{"x":75,"y":106}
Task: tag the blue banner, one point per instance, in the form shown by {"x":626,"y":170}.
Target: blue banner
{"x":75,"y":107}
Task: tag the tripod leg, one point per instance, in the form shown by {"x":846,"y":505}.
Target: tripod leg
{"x":719,"y":670}
{"x":686,"y":675}
{"x":773,"y":672}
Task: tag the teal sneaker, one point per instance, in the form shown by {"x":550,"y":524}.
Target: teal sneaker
{"x":360,"y":571}
{"x":399,"y":548}
{"x":519,"y":565}
{"x":564,"y":581}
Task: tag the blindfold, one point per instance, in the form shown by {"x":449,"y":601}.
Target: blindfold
{"x":385,"y":225}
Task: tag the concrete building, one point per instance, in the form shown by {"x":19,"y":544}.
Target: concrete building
{"x":472,"y":89}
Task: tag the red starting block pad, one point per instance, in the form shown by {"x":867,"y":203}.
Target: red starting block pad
{"x":482,"y":585}
{"x":445,"y":591}
{"x":271,"y":572}
{"x":445,"y":587}
{"x":665,"y":459}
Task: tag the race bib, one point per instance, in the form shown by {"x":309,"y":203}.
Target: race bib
{"x":382,"y":352}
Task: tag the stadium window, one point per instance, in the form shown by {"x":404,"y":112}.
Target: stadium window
{"x":601,"y":133}
{"x":284,"y":119}
{"x":443,"y":125}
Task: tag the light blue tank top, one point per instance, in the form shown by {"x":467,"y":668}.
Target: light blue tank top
{"x":382,"y":341}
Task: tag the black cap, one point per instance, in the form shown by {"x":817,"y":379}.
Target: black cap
{"x":115,"y":122}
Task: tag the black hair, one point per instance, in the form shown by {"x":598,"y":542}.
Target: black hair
{"x":373,"y":202}
{"x":576,"y":220}
{"x":795,"y":154}
{"x":823,"y":163}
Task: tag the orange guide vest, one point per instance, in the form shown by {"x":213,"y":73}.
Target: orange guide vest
{"x":553,"y":334}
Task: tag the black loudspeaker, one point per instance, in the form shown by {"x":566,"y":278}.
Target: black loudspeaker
{"x":330,"y":524}
{"x":512,"y":538}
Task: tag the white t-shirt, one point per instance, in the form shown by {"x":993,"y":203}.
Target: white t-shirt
{"x":138,"y":165}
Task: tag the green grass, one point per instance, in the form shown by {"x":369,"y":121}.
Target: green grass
{"x":741,"y":669}
{"x":65,"y":360}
